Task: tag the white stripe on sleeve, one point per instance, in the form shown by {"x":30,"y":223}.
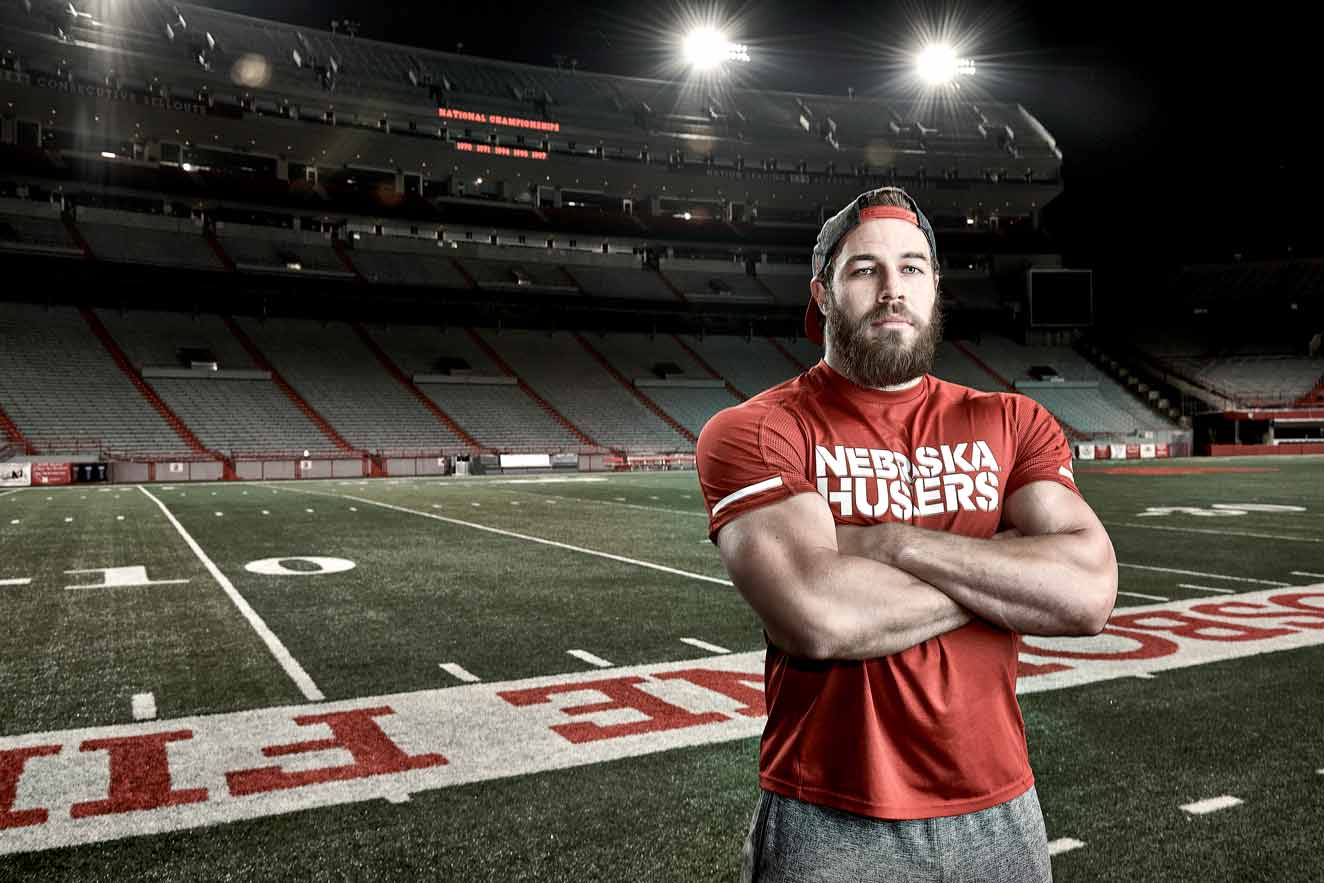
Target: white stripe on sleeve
{"x":760,"y":487}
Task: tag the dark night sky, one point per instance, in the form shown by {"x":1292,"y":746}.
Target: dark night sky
{"x":1148,"y":112}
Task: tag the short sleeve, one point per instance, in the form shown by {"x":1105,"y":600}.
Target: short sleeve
{"x":1042,"y":452}
{"x":747,"y":457}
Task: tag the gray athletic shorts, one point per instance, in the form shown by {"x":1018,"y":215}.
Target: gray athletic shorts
{"x":791,"y":841}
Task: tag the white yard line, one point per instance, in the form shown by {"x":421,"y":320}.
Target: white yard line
{"x":16,"y":582}
{"x":1206,"y":589}
{"x":526,"y":537}
{"x":1235,"y":579}
{"x":1211,"y":804}
{"x":1063,"y":844}
{"x":689,"y":512}
{"x":14,"y":491}
{"x":589,"y":658}
{"x":1220,"y":533}
{"x":1146,"y":597}
{"x":1308,"y":573}
{"x":144,"y":706}
{"x":704,"y":645}
{"x":459,"y":673}
{"x":287,"y":662}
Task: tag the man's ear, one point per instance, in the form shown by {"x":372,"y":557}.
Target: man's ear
{"x":820,"y":293}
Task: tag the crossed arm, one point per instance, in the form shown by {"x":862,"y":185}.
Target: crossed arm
{"x":829,"y":592}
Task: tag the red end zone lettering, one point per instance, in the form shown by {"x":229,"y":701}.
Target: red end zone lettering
{"x":139,"y":775}
{"x":12,"y":763}
{"x":355,"y":731}
{"x":623,"y":694}
{"x":52,"y":791}
{"x":738,"y":685}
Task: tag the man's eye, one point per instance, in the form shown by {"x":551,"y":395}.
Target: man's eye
{"x":919,"y":270}
{"x":860,"y":271}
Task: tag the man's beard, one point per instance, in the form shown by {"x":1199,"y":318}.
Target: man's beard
{"x":884,"y":360}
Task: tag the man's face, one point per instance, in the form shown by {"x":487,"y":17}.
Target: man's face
{"x":881,"y":321}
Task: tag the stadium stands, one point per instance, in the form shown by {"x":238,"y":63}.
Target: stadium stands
{"x":157,"y":338}
{"x":30,"y":226}
{"x":331,"y":368}
{"x":1088,"y":400}
{"x":241,"y":416}
{"x":63,"y":390}
{"x":145,"y":239}
{"x":728,"y":285}
{"x":398,"y":260}
{"x":664,"y":372}
{"x":622,"y":282}
{"x":559,"y":368}
{"x":500,"y":416}
{"x":271,"y":249}
{"x":751,"y":366}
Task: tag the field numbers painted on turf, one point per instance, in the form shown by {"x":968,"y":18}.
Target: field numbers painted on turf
{"x":121,"y":578}
{"x":1218,"y":510}
{"x":312,"y":566}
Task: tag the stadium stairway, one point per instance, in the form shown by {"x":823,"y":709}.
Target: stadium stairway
{"x":77,"y":235}
{"x":12,"y":433}
{"x":528,"y":390}
{"x":342,"y":252}
{"x":1315,"y":396}
{"x":213,"y":242}
{"x":1160,"y":406}
{"x":1070,"y":431}
{"x":671,"y":286}
{"x":635,"y":391}
{"x":712,"y":372}
{"x":317,"y":419}
{"x":800,"y":367}
{"x":394,"y":370}
{"x":983,"y":366}
{"x":122,"y":361}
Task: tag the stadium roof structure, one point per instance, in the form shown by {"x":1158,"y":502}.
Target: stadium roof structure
{"x":197,"y":48}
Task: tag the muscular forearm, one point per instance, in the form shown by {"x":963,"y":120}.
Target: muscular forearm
{"x":850,"y":607}
{"x":1053,"y":584}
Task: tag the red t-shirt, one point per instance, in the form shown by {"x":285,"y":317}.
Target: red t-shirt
{"x":933,"y":730}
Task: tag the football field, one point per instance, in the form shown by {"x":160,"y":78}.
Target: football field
{"x":550,"y":678}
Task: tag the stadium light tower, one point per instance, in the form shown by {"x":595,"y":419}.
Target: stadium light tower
{"x":706,"y":48}
{"x":938,"y":65}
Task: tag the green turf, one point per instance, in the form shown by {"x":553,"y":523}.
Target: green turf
{"x":1114,"y":759}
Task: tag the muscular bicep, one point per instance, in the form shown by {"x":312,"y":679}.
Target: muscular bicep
{"x":1074,"y":535}
{"x":1046,"y":507}
{"x":770,"y":553}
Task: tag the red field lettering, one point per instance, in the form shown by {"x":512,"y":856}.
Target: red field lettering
{"x":1185,"y":626}
{"x":356,"y":732}
{"x":623,"y":693}
{"x":12,"y":762}
{"x":1151,"y":647}
{"x":1251,"y":610}
{"x":735,"y":684}
{"x":1029,"y":669}
{"x":139,"y":775}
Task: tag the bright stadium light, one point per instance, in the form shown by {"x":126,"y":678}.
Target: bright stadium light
{"x":936,"y":64}
{"x":705,"y":48}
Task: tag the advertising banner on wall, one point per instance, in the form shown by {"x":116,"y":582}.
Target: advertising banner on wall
{"x":15,"y":474}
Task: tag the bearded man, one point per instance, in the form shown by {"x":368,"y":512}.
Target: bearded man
{"x":896,"y":534}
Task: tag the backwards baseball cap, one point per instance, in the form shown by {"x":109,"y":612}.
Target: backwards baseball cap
{"x":865,"y":207}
